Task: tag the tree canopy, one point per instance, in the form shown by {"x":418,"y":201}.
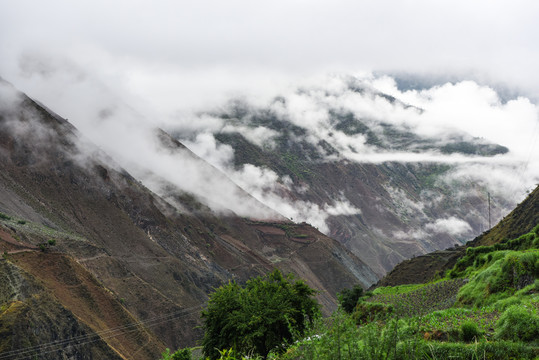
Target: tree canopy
{"x":348,"y":298}
{"x":265,"y":314}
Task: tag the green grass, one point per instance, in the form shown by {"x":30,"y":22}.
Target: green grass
{"x":487,"y":307}
{"x":478,"y":256}
{"x":501,"y":278}
{"x":397,"y":290}
{"x":453,"y":318}
{"x":411,"y":300}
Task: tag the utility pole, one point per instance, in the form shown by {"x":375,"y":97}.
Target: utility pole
{"x":489,"y":210}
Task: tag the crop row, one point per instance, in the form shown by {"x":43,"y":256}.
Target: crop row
{"x":431,"y":297}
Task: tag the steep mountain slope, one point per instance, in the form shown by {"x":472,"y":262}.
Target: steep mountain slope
{"x":158,"y":258}
{"x":520,"y":221}
{"x":384,"y":190}
{"x":53,"y":307}
{"x":424,"y":268}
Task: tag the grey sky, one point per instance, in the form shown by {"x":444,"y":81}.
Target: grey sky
{"x":97,"y":61}
{"x":264,"y":42}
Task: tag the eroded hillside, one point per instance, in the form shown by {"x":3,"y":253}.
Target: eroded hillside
{"x":155,"y":257}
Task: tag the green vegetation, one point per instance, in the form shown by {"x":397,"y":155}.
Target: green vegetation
{"x":4,"y":216}
{"x":47,"y":245}
{"x":486,"y":307}
{"x":267,"y":314}
{"x":420,"y":299}
{"x":348,"y":298}
{"x":297,"y":166}
{"x":469,"y":331}
{"x":519,"y":323}
{"x":469,"y":148}
{"x":290,"y":230}
{"x":181,"y":354}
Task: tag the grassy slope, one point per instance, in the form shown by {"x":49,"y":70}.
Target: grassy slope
{"x":486,"y":307}
{"x":424,"y":268}
{"x":518,"y":222}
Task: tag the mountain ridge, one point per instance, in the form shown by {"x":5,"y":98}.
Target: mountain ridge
{"x":153,"y":257}
{"x":425,"y":268}
{"x":395,"y":209}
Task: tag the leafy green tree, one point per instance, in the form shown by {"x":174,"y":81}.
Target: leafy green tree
{"x":262,"y":316}
{"x":348,"y":298}
{"x":181,"y":354}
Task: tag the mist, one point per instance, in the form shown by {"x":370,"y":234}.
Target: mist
{"x":461,"y":73}
{"x":442,"y":114}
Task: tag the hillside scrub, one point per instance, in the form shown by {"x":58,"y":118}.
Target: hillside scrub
{"x":505,"y":274}
{"x":266,"y":314}
{"x":348,"y":298}
{"x":477,"y":256}
{"x":417,"y":299}
{"x":496,"y":315}
{"x":519,"y":323}
{"x":399,"y":339}
{"x":488,"y":309}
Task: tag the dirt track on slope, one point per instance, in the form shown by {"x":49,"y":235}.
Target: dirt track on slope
{"x":78,"y":291}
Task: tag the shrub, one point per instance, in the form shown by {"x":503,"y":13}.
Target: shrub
{"x":481,"y":350}
{"x":518,"y":323}
{"x":264,"y":315}
{"x":51,"y":242}
{"x":348,"y":298}
{"x":4,"y":216}
{"x":369,"y":311}
{"x":509,"y":272}
{"x":181,"y":354}
{"x":469,"y":331}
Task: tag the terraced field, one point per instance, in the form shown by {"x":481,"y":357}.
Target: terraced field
{"x":420,"y":299}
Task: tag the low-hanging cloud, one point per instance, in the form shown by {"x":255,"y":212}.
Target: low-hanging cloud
{"x":445,"y":114}
{"x":460,"y":113}
{"x":442,"y":114}
{"x":452,"y":226}
{"x":274,"y":191}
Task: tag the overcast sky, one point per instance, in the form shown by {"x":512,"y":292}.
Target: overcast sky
{"x":117,"y":68}
{"x":189,"y":53}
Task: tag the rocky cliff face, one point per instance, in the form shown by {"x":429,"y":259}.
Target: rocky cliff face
{"x":98,"y":242}
{"x":382,"y":189}
{"x":424,"y":268}
{"x":52,"y":308}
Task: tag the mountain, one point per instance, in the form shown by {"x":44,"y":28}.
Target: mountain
{"x":424,"y":268}
{"x":386,"y":190}
{"x":96,"y":265}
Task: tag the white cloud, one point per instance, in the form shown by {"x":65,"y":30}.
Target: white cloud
{"x":260,"y":135}
{"x":184,"y":54}
{"x":205,"y":146}
{"x":266,"y":186}
{"x":451,"y":226}
{"x":9,"y":97}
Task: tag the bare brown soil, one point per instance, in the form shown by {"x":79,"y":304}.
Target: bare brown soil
{"x":78,"y":291}
{"x":10,"y":245}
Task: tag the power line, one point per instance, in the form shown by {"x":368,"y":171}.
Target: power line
{"x":98,"y":335}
